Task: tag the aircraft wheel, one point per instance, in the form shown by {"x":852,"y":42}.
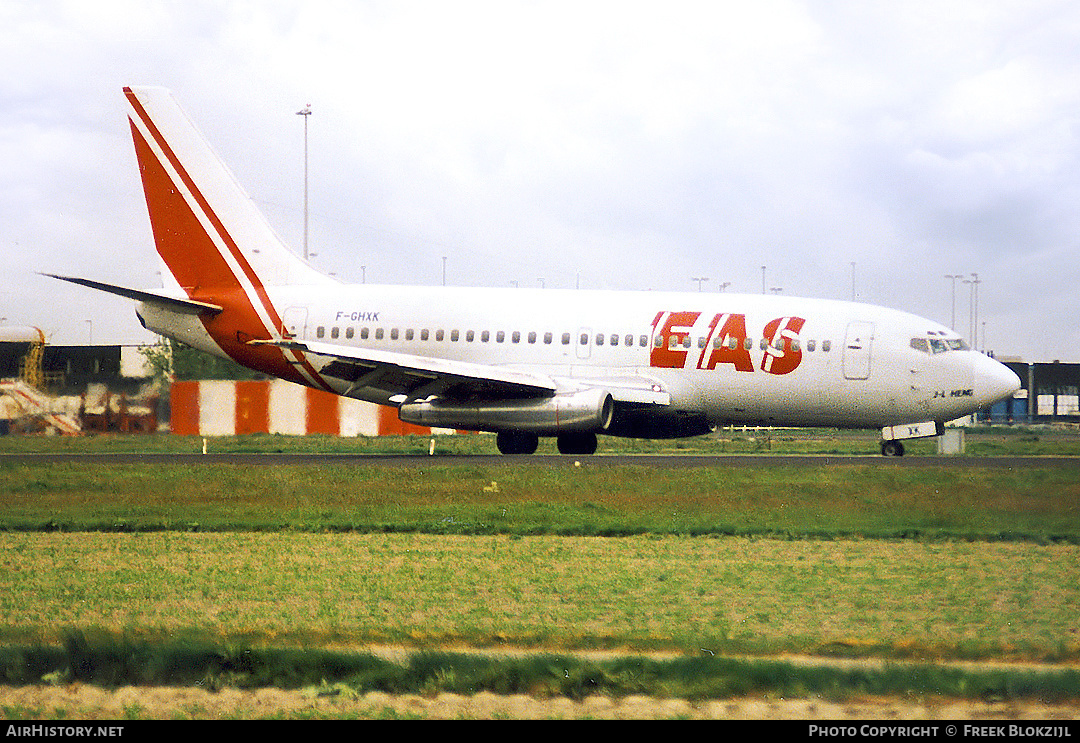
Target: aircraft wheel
{"x":577,"y":443}
{"x":516,"y":442}
{"x":892,"y":449}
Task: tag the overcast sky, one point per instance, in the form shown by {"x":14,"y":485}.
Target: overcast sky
{"x":622,"y":145}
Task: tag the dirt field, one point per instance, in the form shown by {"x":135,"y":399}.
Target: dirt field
{"x":81,"y":702}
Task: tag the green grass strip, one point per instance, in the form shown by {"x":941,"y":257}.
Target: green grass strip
{"x":112,"y":661}
{"x":1035,"y":504}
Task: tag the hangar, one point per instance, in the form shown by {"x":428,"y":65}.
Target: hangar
{"x":1050,"y":394}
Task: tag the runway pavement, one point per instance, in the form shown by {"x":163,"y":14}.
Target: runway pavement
{"x":555,"y":460}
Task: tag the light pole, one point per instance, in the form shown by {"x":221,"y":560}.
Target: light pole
{"x":305,"y":112}
{"x":444,"y":270}
{"x":853,"y":281}
{"x":952,"y":278}
{"x":975,"y":307}
{"x":973,"y":311}
{"x":699,"y":280}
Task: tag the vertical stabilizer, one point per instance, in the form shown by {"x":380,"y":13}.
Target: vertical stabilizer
{"x":207,"y":230}
{"x":216,"y":244}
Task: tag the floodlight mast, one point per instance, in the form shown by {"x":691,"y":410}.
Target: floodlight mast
{"x":305,"y":112}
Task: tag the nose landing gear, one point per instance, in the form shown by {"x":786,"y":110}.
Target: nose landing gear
{"x":892,"y":449}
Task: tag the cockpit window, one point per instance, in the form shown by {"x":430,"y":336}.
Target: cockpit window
{"x":938,"y":345}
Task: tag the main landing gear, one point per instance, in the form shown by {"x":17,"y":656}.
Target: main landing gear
{"x":521,"y":442}
{"x":577,"y":443}
{"x":516,"y":442}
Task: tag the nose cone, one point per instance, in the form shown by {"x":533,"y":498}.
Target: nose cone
{"x":993,"y":381}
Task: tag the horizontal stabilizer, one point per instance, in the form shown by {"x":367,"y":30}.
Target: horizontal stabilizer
{"x":182,"y":306}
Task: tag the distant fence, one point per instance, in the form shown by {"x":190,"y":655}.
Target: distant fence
{"x":228,"y":408}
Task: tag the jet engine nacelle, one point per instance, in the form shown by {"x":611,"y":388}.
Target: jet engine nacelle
{"x":586,"y":411}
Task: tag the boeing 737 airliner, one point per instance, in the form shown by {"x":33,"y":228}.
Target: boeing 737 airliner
{"x":529,"y":363}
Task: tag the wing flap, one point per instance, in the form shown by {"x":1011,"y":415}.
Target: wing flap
{"x":418,"y":376}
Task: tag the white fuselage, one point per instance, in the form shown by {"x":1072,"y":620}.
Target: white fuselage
{"x":734,"y":359}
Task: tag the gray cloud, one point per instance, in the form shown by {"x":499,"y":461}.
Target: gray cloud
{"x":616,"y":145}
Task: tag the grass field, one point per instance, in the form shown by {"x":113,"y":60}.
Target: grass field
{"x":758,"y":596}
{"x":859,"y":561}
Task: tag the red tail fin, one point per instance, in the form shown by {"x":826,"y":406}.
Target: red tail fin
{"x":217,"y":246}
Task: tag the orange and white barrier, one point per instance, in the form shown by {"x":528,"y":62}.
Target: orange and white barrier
{"x":227,"y":408}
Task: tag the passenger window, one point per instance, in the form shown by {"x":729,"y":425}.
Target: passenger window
{"x":364,"y":333}
{"x":485,"y":336}
{"x":643,"y":341}
{"x":500,"y":336}
{"x":453,"y":335}
{"x":566,"y":339}
{"x":409,"y":334}
{"x":547,"y":339}
{"x":440,"y":334}
{"x":378,"y":334}
{"x":349,"y":331}
{"x":393,"y":334}
{"x":599,"y":339}
{"x":532,"y":336}
{"x":320,"y":332}
{"x":826,"y":346}
{"x":811,"y":345}
{"x":423,"y":334}
{"x":629,"y":340}
{"x":469,"y":335}
{"x":334,"y":332}
{"x":516,"y":337}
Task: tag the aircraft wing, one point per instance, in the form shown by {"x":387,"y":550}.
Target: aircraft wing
{"x":392,"y":377}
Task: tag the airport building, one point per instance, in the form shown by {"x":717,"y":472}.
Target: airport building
{"x":1050,"y":394}
{"x":111,"y":389}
